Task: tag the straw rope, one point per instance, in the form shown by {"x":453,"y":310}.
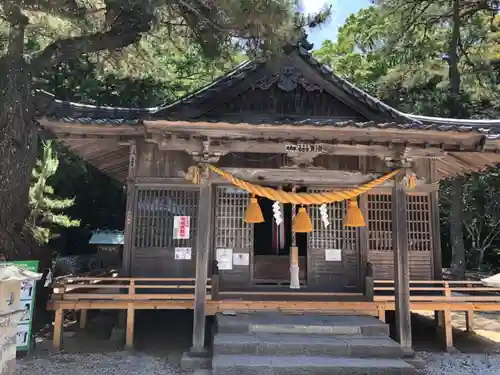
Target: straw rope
{"x":302,"y":198}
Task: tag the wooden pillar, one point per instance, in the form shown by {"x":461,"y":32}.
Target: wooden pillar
{"x":447,"y":320}
{"x":363,"y":258}
{"x":83,"y":318}
{"x":435,"y":232}
{"x":129,"y":213}
{"x":435,"y":224}
{"x":58,"y":328}
{"x":401,"y":263}
{"x":469,"y":320}
{"x":203,"y":249}
{"x":294,"y":252}
{"x":129,"y":332}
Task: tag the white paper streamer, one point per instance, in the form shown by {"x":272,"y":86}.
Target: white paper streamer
{"x":323,"y":210}
{"x":278,"y":217}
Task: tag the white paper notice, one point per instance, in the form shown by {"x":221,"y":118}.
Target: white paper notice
{"x":241,"y":259}
{"x":333,"y":255}
{"x":183,"y":253}
{"x":181,"y":227}
{"x":224,"y":259}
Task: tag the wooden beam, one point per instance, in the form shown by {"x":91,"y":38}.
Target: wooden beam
{"x":351,"y":147}
{"x":61,"y":127}
{"x":429,"y":139}
{"x":401,"y":263}
{"x":300,"y":175}
{"x":203,"y":249}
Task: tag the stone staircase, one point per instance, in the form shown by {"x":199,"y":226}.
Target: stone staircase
{"x":279,"y":344}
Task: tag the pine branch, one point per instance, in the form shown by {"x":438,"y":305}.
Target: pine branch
{"x":126,"y":28}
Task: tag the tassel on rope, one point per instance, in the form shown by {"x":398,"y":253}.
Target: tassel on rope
{"x":253,"y":213}
{"x":411,"y":182}
{"x":302,"y":222}
{"x":194,"y":174}
{"x":354,"y":216}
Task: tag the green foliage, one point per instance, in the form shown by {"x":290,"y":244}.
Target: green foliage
{"x":45,"y":208}
{"x":397,"y":50}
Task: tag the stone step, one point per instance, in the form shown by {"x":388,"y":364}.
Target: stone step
{"x":302,"y":324}
{"x":303,"y":365}
{"x":293,"y":345}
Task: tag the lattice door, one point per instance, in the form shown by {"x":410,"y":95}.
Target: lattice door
{"x":154,"y":245}
{"x":380,"y":252}
{"x":335,"y":276}
{"x":231,"y":232}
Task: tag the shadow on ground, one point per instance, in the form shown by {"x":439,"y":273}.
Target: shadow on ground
{"x":167,"y":334}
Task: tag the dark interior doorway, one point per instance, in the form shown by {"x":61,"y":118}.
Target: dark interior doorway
{"x":272,"y":245}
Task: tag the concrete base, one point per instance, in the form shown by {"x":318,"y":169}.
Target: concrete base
{"x":306,"y":365}
{"x":281,"y":344}
{"x":452,"y":350}
{"x":118,"y":335}
{"x":191,"y":361}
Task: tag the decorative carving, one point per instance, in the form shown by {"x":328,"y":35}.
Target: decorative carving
{"x":287,"y":80}
{"x":207,"y":155}
{"x":303,"y":160}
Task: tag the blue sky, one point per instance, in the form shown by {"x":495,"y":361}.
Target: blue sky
{"x":341,"y":9}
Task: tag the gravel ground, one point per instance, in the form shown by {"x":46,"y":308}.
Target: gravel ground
{"x":119,"y":363}
{"x":461,"y":364}
{"x":125,"y":363}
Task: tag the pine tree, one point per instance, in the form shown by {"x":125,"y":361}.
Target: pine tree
{"x":46,"y":210}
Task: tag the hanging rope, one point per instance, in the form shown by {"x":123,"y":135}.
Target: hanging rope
{"x":302,"y":198}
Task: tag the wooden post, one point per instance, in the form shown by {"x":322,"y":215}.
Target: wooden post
{"x":435,"y":232}
{"x":363,"y":260}
{"x":448,"y":327}
{"x":381,"y":312}
{"x":215,"y":280}
{"x":129,"y":336}
{"x":203,"y":248}
{"x":401,"y":263}
{"x":83,"y":318}
{"x":369,"y":292}
{"x":129,"y":213}
{"x":58,"y":328}
{"x":294,"y":253}
{"x":469,"y":318}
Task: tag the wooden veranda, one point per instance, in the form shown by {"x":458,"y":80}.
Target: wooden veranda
{"x":131,"y":294}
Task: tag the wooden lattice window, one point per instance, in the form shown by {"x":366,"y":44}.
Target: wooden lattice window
{"x":419,"y":237}
{"x":380,"y":222}
{"x":231,"y":230}
{"x":336,"y":235}
{"x":154,"y":217}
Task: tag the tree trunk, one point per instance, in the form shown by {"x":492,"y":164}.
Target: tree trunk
{"x":455,"y":106}
{"x":18,"y":143}
{"x":480,"y":259}
{"x":458,"y":265}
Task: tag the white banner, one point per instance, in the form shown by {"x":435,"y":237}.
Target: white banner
{"x":224,"y":259}
{"x":181,"y":227}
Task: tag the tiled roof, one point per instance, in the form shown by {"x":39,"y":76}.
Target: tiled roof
{"x":106,"y":237}
{"x":71,"y":112}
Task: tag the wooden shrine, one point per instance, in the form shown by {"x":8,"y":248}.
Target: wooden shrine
{"x":292,"y":125}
